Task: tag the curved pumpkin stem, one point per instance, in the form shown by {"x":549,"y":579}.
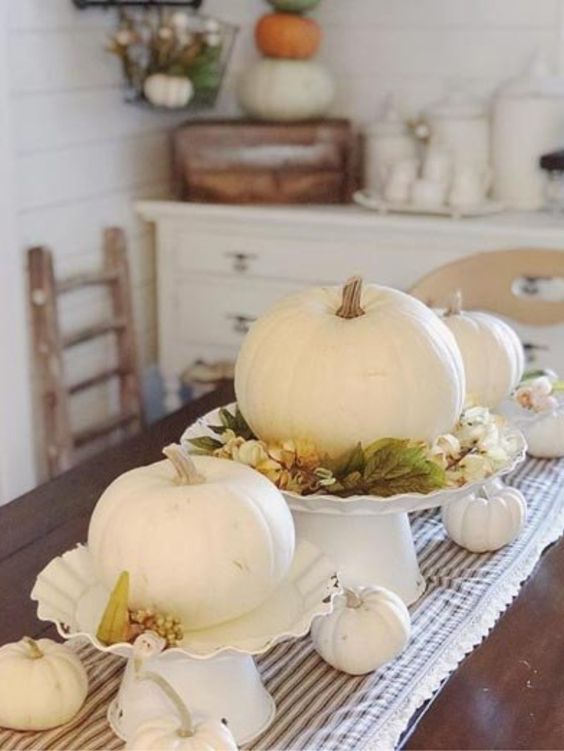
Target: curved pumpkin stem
{"x":33,"y":648}
{"x":353,"y":600}
{"x":454,"y":307}
{"x":183,"y":464}
{"x":350,"y":304}
{"x":186,"y":729}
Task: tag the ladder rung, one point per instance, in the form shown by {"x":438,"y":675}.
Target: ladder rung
{"x":104,"y":427}
{"x":85,"y":280}
{"x":92,"y":332}
{"x":104,"y":375}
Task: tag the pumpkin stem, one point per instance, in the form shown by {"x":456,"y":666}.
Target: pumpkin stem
{"x":350,"y":303}
{"x":34,"y":652}
{"x":353,"y":600}
{"x":454,"y":307}
{"x":186,"y":729}
{"x":183,"y":464}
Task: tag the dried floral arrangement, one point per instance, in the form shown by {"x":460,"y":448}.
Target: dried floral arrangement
{"x":538,"y":391}
{"x":478,"y":446}
{"x":172,"y":58}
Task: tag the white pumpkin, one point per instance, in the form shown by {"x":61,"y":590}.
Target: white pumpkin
{"x":544,"y":433}
{"x":381,"y":364}
{"x":492,"y":352}
{"x":172,"y":92}
{"x":204,"y":540}
{"x":484,"y":524}
{"x":286,"y":90}
{"x":368,"y":627}
{"x":177,"y":732}
{"x":42,"y":685}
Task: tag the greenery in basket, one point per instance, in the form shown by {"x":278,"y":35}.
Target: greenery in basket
{"x":172,"y":43}
{"x":477,"y":447}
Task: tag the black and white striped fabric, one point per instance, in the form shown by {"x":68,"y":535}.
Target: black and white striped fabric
{"x":322,"y":709}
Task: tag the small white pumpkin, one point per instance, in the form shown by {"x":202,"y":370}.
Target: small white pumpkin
{"x":484,"y":524}
{"x":338,"y":366}
{"x":544,"y":433}
{"x":172,"y":92}
{"x":492,"y":352}
{"x":368,"y":627}
{"x":42,"y":685}
{"x":286,"y":90}
{"x":203,"y":539}
{"x":177,"y":732}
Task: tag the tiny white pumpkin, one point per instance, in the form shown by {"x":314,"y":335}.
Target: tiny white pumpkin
{"x":492,"y":352}
{"x":42,"y":684}
{"x":368,"y":627}
{"x":172,"y":92}
{"x":484,"y":524}
{"x":203,"y":539}
{"x":544,"y":433}
{"x":342,"y":365}
{"x":178,"y":732}
{"x":286,"y":90}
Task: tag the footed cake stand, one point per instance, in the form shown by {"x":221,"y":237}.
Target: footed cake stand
{"x":213,"y":670}
{"x":369,"y":538}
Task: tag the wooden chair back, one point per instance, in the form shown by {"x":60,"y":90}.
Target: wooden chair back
{"x":60,"y":442}
{"x":506,"y":282}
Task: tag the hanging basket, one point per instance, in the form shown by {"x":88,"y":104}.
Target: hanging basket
{"x":172,"y":59}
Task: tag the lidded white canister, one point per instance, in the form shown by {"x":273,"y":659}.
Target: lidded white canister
{"x":387,"y":142}
{"x":528,"y":121}
{"x":460,"y":123}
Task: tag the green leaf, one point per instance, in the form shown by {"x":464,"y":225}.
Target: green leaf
{"x":206,"y":444}
{"x":227,"y":419}
{"x":350,"y":461}
{"x":242,"y":427}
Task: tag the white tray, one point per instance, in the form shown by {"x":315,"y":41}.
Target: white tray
{"x":375,"y":203}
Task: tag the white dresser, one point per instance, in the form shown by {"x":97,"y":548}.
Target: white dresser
{"x":219,"y":267}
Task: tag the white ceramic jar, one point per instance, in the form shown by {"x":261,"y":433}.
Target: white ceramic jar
{"x":387,"y":142}
{"x":528,"y":121}
{"x":460,"y":123}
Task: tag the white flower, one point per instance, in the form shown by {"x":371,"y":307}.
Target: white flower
{"x":211,"y":25}
{"x":475,"y":467}
{"x":165,"y":33}
{"x":445,"y":448}
{"x":541,"y":386}
{"x":213,"y":40}
{"x":124,"y":37}
{"x":180,"y":20}
{"x":252,"y":453}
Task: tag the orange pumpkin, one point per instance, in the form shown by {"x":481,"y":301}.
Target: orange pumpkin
{"x":288,"y":36}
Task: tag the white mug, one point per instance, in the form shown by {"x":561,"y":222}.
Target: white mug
{"x":428,"y":193}
{"x":437,"y":165}
{"x":470,"y":185}
{"x":401,"y":177}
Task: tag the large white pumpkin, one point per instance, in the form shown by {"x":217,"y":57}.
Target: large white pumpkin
{"x":492,"y":352}
{"x":42,"y":684}
{"x":390,"y":368}
{"x":286,"y":90}
{"x":204,"y":546}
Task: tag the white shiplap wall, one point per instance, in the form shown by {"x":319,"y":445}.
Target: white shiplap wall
{"x":83,"y":155}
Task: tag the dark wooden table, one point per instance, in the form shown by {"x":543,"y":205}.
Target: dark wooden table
{"x":508,"y":694}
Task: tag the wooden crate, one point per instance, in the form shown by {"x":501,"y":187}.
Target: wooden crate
{"x":243,"y":162}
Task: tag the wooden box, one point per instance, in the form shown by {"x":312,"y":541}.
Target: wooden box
{"x":244,"y":162}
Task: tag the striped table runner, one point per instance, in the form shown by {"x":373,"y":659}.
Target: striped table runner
{"x":320,"y":708}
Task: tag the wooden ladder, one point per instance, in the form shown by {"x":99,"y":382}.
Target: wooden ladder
{"x":59,"y":441}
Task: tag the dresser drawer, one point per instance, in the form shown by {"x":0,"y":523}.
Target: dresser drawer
{"x":308,"y":260}
{"x":219,"y":312}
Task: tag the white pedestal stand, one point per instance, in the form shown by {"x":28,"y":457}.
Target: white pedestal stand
{"x":224,"y":687}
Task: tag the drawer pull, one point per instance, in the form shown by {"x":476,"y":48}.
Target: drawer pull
{"x":241,"y":324}
{"x":241,"y":261}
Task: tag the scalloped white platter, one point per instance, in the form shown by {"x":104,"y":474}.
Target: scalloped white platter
{"x":369,"y":537}
{"x":364,"y":504}
{"x":69,"y":594}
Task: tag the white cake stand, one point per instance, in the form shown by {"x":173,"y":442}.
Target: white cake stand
{"x":368,"y":538}
{"x":213,"y":670}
